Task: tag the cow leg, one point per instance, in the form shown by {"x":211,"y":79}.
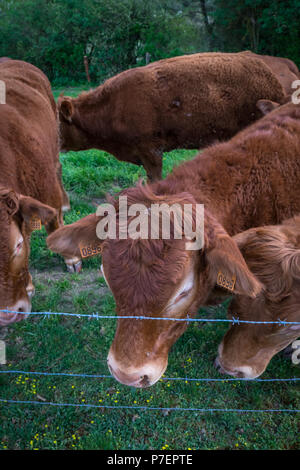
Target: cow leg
{"x":74,"y":265}
{"x":152,"y":162}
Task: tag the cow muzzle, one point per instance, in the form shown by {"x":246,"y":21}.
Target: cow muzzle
{"x":15,"y":313}
{"x":141,"y":377}
{"x":242,"y":372}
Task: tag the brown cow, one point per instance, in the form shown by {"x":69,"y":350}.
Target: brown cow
{"x":29,"y":184}
{"x":273,"y":254}
{"x":285,"y":70}
{"x":183,"y":102}
{"x":249,"y":181}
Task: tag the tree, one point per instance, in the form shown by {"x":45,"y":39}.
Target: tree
{"x":55,"y":35}
{"x":264,"y":26}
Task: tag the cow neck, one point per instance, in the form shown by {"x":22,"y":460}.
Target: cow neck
{"x":91,"y":115}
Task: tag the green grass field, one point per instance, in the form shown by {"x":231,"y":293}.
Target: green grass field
{"x":77,"y":345}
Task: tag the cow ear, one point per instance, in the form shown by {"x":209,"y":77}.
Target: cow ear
{"x":76,"y":240}
{"x":267,"y":106}
{"x":227,"y":267}
{"x":34,"y":211}
{"x":10,"y":199}
{"x":66,"y":107}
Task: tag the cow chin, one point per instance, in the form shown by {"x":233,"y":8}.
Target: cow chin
{"x":141,"y":377}
{"x":244,"y":372}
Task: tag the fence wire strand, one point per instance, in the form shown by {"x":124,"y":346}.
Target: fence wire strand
{"x":145,"y":408}
{"x":186,"y":379}
{"x":233,"y":321}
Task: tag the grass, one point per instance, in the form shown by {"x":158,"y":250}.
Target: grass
{"x":75,"y":345}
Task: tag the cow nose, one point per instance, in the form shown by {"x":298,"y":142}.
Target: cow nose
{"x":15,"y":313}
{"x":144,"y":382}
{"x":142,"y":377}
{"x":22,"y":306}
{"x":133,"y":380}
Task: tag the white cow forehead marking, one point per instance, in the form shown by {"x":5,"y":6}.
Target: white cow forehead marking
{"x":16,"y":236}
{"x":103,"y":273}
{"x":186,"y":285}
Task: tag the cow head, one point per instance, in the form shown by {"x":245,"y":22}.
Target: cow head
{"x":72,"y":136}
{"x":158,"y":278}
{"x":273,"y":254}
{"x":246,"y":350}
{"x":17,"y":213}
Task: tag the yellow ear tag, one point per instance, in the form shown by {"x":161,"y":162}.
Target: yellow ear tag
{"x":35,"y":223}
{"x":90,"y":250}
{"x":226,"y":283}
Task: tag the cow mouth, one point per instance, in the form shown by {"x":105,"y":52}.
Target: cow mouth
{"x":137,"y":380}
{"x":16,"y":313}
{"x":144,"y":382}
{"x":222,"y":370}
{"x":8,"y":318}
{"x":243,"y":372}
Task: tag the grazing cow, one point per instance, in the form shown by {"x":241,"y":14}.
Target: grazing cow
{"x":273,"y":255}
{"x":285,"y":70}
{"x":249,"y":181}
{"x":31,"y":191}
{"x":183,"y":102}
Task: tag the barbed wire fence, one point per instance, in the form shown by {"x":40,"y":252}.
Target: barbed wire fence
{"x":96,"y":316}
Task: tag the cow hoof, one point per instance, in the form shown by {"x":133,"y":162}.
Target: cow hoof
{"x":74,"y":267}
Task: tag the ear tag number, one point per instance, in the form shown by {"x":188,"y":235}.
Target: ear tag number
{"x":35,"y":223}
{"x":90,"y":250}
{"x":226,"y":283}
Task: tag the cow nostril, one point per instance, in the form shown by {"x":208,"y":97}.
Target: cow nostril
{"x":21,"y":310}
{"x":144,"y":382}
{"x":239,"y":374}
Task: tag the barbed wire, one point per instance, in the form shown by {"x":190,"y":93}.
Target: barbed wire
{"x":186,"y":379}
{"x":233,"y":320}
{"x":146,"y":408}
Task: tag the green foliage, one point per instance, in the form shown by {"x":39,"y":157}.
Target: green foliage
{"x":55,"y":35}
{"x":115,"y":35}
{"x":264,"y":26}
